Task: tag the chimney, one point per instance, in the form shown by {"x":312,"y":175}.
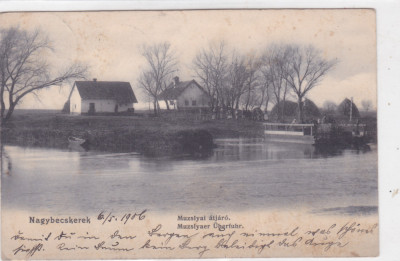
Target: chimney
{"x":95,"y":79}
{"x":176,"y":80}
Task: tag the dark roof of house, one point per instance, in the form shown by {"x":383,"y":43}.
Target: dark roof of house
{"x":98,"y":90}
{"x":172,"y":92}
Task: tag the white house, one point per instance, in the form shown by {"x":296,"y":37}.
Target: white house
{"x":185,"y":95}
{"x":89,"y":97}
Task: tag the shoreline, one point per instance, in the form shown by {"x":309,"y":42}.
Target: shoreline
{"x":167,"y":134}
{"x":148,"y":136}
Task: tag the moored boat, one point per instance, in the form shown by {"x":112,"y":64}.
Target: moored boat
{"x":285,"y":132}
{"x":76,"y":141}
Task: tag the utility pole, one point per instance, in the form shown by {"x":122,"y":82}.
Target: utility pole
{"x":351,"y":108}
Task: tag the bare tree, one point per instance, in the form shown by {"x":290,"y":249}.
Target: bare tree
{"x":252,"y":82}
{"x":24,"y":69}
{"x":237,"y":77}
{"x":274,"y":69}
{"x":366,"y":104}
{"x":306,"y":69}
{"x":147,"y":85}
{"x":251,"y":99}
{"x":265,"y":92}
{"x":165,"y":87}
{"x":162,"y":63}
{"x":210,"y":66}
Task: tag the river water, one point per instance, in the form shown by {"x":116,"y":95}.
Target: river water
{"x":241,"y":174}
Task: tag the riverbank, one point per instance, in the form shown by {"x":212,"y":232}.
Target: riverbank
{"x":151,"y":136}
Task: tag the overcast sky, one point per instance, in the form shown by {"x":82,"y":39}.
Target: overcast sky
{"x":109,"y":43}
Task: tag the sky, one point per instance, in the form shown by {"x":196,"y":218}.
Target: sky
{"x":109,"y":42}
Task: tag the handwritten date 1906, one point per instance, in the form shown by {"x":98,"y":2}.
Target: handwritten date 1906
{"x":108,"y":217}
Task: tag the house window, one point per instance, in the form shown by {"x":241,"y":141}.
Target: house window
{"x":186,"y":103}
{"x":193,"y":102}
{"x":171,"y":102}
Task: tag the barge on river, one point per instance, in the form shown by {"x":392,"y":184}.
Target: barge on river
{"x":286,"y":132}
{"x":327,"y":133}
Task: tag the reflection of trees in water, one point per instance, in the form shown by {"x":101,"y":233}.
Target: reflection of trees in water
{"x":5,"y":158}
{"x":91,"y":182}
{"x":308,"y":152}
{"x":248,"y":149}
{"x":256,"y":149}
{"x":282,"y":151}
{"x":226,"y":151}
{"x":331,"y":150}
{"x":89,"y":162}
{"x":156,"y":164}
{"x":327,"y":151}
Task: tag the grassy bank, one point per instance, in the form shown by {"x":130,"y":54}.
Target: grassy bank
{"x":162,"y":135}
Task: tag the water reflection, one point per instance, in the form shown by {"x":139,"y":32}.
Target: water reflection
{"x":241,"y":174}
{"x":6,"y":163}
{"x":104,"y":162}
{"x":253,"y":149}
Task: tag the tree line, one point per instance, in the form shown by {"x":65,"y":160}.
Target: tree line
{"x":240,"y":81}
{"x":232,"y":80}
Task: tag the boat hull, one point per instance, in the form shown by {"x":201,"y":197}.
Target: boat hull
{"x":301,"y":139}
{"x":293,"y":133}
{"x":76,"y":141}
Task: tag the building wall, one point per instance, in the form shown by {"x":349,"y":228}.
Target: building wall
{"x":75,"y":102}
{"x":104,"y":106}
{"x":125,"y":107}
{"x":192,"y":97}
{"x":99,"y":105}
{"x":79,"y":106}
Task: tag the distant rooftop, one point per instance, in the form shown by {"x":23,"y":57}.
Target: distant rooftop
{"x":176,"y":88}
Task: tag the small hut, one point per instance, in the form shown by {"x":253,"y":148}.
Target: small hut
{"x":344,"y":109}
